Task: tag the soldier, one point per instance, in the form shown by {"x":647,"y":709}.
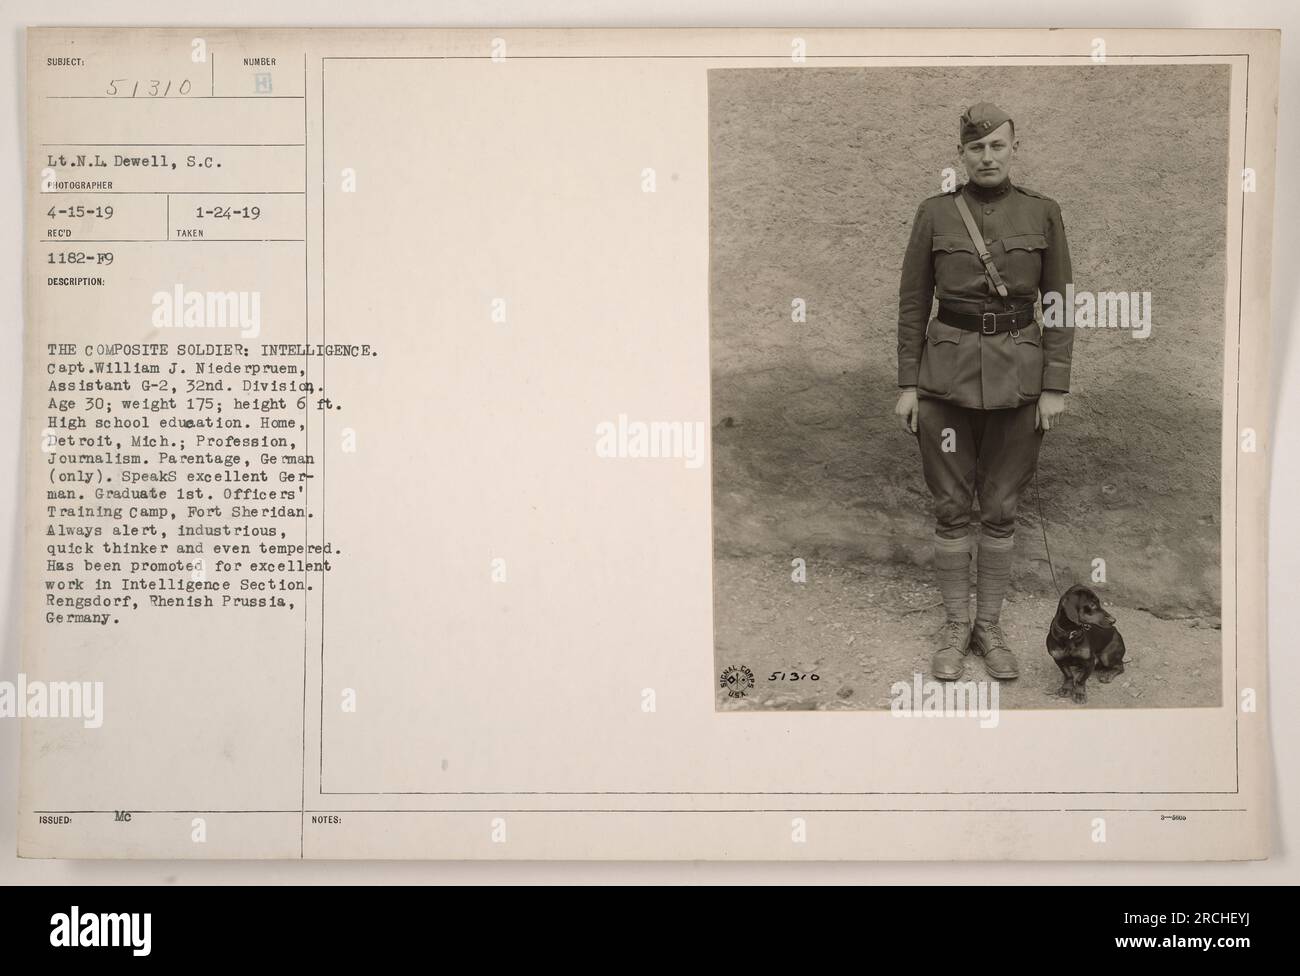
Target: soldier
{"x":982,"y":380}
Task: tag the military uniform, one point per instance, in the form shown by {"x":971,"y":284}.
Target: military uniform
{"x":1024,"y":232}
{"x":981,"y":362}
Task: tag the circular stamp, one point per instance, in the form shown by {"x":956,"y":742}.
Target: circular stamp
{"x":737,"y":681}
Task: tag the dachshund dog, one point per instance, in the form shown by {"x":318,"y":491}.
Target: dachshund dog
{"x":1083,"y":639}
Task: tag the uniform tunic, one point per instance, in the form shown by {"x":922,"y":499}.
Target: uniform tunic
{"x":1025,"y":234}
{"x":977,"y":393}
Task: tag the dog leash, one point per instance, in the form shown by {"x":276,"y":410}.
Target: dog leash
{"x":1042,"y":525}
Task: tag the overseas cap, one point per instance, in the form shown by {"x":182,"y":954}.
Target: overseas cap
{"x":981,"y":119}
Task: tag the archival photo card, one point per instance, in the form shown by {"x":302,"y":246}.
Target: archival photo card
{"x":646,"y":444}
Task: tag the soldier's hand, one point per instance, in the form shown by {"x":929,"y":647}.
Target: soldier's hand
{"x":1051,"y":406}
{"x":906,"y":409}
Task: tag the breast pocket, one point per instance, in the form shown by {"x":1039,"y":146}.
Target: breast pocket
{"x":951,"y":243}
{"x":1024,"y":262}
{"x":958,"y":272}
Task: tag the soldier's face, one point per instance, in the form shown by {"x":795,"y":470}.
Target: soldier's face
{"x":988,"y":160}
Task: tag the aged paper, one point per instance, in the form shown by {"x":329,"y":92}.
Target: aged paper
{"x":389,"y":489}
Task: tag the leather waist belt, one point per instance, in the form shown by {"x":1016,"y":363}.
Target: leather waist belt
{"x":988,"y":323}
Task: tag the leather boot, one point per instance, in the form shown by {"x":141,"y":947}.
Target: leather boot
{"x":951,"y":643}
{"x":988,"y":641}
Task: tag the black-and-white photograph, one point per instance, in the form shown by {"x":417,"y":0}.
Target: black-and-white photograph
{"x":967,"y":359}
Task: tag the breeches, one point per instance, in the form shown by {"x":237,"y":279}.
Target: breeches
{"x":968,"y":453}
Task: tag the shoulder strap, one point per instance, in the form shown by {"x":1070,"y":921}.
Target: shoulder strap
{"x":978,"y":240}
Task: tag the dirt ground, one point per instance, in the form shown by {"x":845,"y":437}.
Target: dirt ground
{"x":862,"y":627}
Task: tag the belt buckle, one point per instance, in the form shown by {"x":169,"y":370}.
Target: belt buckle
{"x":988,"y":323}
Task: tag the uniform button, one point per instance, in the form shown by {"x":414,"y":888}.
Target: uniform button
{"x":988,"y":210}
{"x":988,"y":240}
